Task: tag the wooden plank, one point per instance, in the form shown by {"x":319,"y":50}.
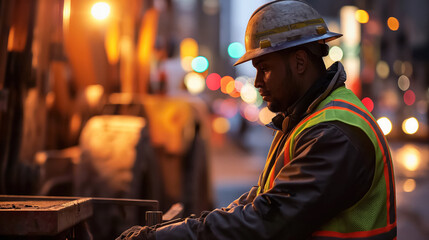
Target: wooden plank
{"x":33,"y":216}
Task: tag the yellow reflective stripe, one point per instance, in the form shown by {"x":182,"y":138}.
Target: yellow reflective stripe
{"x":290,"y":27}
{"x":263,"y":180}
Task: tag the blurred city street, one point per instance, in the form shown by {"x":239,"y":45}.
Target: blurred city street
{"x":235,"y":169}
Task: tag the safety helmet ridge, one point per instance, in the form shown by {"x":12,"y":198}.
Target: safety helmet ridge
{"x":283,"y":24}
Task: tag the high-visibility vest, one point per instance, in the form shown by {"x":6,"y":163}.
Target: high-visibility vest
{"x":374,"y":216}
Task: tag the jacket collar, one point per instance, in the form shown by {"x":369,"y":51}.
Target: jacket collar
{"x":335,"y":77}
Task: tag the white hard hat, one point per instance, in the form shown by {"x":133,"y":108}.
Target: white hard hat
{"x":279,"y":25}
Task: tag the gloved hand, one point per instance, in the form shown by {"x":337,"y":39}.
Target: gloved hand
{"x":136,"y":233}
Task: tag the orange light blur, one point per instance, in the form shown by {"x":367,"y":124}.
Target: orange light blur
{"x":220,"y":125}
{"x":100,"y":10}
{"x":11,"y":39}
{"x":409,"y":185}
{"x":66,"y":11}
{"x":230,"y":89}
{"x":224,"y":83}
{"x":146,"y":46}
{"x":188,"y":48}
{"x":111,"y":43}
{"x":93,"y":94}
{"x":50,"y":99}
{"x":75,"y":123}
{"x":393,"y":23}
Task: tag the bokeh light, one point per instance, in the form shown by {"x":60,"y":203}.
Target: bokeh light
{"x":407,"y":69}
{"x":393,"y":23}
{"x":362,"y":16}
{"x":220,"y":125}
{"x":228,"y":108}
{"x":251,"y":113}
{"x":410,"y":157}
{"x":397,"y":67}
{"x":213,"y":81}
{"x":368,"y":103}
{"x":336,"y":53}
{"x":211,"y":7}
{"x":186,"y":63}
{"x":200,"y":64}
{"x":382,"y":69}
{"x":194,"y":83}
{"x":111,"y":42}
{"x":100,"y":10}
{"x":249,"y":93}
{"x":409,"y":185}
{"x":422,"y":107}
{"x":236,"y":50}
{"x":259,"y":100}
{"x":265,"y":115}
{"x":242,"y":79}
{"x":50,"y":99}
{"x":403,"y":68}
{"x":238,"y":85}
{"x":224,"y":83}
{"x":230,"y":89}
{"x":93,"y":94}
{"x":403,"y":83}
{"x":75,"y":123}
{"x":410,"y":125}
{"x":188,"y":48}
{"x":409,"y":97}
{"x":385,"y":125}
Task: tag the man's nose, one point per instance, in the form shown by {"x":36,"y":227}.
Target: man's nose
{"x":258,"y":81}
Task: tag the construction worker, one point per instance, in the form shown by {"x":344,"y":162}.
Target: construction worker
{"x":328,"y":173}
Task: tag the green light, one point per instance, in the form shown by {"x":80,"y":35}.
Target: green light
{"x":236,"y":50}
{"x":200,"y":64}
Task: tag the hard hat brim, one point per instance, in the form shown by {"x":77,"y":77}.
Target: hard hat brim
{"x":249,"y":55}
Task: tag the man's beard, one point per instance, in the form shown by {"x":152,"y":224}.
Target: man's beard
{"x":278,"y":106}
{"x":274,"y":106}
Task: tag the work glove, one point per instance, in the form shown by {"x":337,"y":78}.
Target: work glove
{"x":136,"y":233}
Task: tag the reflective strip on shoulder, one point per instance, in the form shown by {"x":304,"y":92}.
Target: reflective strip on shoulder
{"x":388,"y":170}
{"x":339,"y":104}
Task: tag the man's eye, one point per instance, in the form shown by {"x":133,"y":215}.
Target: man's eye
{"x":263,"y":69}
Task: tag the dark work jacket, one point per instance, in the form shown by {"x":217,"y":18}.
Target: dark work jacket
{"x":298,"y":205}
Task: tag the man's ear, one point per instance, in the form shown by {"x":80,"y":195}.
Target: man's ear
{"x":301,"y":59}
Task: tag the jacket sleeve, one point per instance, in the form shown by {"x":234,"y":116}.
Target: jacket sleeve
{"x":332,"y":168}
{"x":246,"y":198}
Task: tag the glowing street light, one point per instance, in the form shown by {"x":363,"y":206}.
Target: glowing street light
{"x":410,"y":157}
{"x":410,"y":126}
{"x":100,"y":10}
{"x":249,"y":93}
{"x":195,"y":83}
{"x":385,"y":125}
